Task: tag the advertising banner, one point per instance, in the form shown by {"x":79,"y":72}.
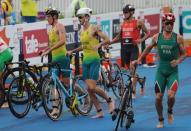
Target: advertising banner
{"x":33,"y":43}
{"x":70,"y":37}
{"x":152,"y":22}
{"x":115,"y":27}
{"x":186,"y":21}
{"x":105,"y":27}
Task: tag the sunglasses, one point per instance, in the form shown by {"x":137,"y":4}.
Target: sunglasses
{"x":80,"y":17}
{"x":125,"y":12}
{"x":169,"y":23}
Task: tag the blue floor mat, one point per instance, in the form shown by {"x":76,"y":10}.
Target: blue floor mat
{"x":144,"y":107}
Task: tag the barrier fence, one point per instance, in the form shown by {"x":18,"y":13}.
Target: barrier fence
{"x":35,"y":34}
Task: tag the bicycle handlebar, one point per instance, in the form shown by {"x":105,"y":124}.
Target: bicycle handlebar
{"x":131,"y":76}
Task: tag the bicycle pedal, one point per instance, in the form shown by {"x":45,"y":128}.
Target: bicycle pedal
{"x":74,"y":112}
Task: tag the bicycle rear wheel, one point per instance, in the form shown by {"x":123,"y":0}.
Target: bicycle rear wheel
{"x":85,"y":104}
{"x":19,"y":97}
{"x":52,"y":98}
{"x":118,"y":82}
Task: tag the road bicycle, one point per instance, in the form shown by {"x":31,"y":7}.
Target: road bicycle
{"x":25,"y":89}
{"x":124,"y":112}
{"x":110,"y":77}
{"x":76,"y":97}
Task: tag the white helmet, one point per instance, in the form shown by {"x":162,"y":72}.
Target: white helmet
{"x":84,"y":11}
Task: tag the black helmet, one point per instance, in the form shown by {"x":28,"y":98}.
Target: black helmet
{"x":128,"y":8}
{"x":52,"y":11}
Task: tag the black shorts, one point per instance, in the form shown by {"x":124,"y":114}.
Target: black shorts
{"x":128,"y":54}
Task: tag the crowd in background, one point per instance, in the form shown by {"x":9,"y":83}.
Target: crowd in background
{"x":29,"y":11}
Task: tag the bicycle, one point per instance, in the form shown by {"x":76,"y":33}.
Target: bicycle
{"x":25,"y":90}
{"x":110,"y":77}
{"x":125,"y":112}
{"x":9,"y":73}
{"x":76,"y":98}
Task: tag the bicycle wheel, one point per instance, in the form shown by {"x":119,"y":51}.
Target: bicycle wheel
{"x":7,"y":77}
{"x":19,"y":97}
{"x":118,"y":121}
{"x":128,"y":114}
{"x":118,"y":82}
{"x":85,"y":104}
{"x":2,"y":95}
{"x":51,"y":98}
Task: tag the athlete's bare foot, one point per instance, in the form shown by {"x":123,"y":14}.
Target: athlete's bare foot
{"x":54,"y":112}
{"x":160,"y":124}
{"x":133,"y":96}
{"x":98,"y":115}
{"x":111,"y":106}
{"x":142,"y":91}
{"x":5,"y":105}
{"x":170,"y":118}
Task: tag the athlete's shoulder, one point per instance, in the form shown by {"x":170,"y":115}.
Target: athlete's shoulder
{"x":95,"y":27}
{"x":180,"y":38}
{"x":59,"y":25}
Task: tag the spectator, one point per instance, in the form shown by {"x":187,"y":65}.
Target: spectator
{"x":74,"y":7}
{"x":7,"y":12}
{"x":29,"y":11}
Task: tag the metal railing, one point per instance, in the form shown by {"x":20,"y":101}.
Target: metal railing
{"x":105,"y":6}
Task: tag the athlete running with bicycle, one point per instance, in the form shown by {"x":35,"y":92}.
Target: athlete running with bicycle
{"x":171,"y":52}
{"x":57,"y":47}
{"x":91,"y":60}
{"x":129,"y":36}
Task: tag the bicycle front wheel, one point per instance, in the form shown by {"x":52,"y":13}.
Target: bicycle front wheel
{"x":52,"y":99}
{"x":85,"y":104}
{"x":127,"y":119}
{"x":19,"y":97}
{"x":128,"y":115}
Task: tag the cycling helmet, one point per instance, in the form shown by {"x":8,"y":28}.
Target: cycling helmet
{"x":168,"y":17}
{"x":52,"y":11}
{"x":84,"y":11}
{"x":128,"y":8}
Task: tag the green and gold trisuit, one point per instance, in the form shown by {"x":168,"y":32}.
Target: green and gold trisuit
{"x":167,"y":76}
{"x":91,"y":60}
{"x":59,"y":54}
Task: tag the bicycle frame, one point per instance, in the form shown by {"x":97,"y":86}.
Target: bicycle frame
{"x":68,"y":93}
{"x":61,"y":86}
{"x":125,"y":108}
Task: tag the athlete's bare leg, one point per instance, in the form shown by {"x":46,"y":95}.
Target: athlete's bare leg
{"x":96,"y":90}
{"x":171,"y":101}
{"x":159,"y":108}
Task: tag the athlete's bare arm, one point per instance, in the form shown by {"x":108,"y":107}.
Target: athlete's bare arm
{"x":149,"y":47}
{"x":141,"y":26}
{"x":182,"y":52}
{"x":117,"y":37}
{"x":103,"y":36}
